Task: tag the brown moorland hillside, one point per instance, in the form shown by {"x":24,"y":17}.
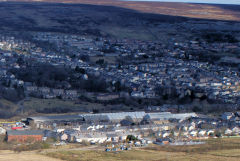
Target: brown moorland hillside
{"x":203,"y":11}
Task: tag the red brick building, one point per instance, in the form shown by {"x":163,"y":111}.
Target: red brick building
{"x":24,"y":135}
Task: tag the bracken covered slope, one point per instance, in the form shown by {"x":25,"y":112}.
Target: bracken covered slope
{"x":204,"y":11}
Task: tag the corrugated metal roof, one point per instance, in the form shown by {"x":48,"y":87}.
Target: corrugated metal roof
{"x":136,"y":116}
{"x":113,"y":116}
{"x":55,"y":118}
{"x":168,"y":115}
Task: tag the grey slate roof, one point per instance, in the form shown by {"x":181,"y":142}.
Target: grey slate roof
{"x":25,"y":132}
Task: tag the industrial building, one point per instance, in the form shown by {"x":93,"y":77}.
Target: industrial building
{"x":103,"y":118}
{"x":24,"y":135}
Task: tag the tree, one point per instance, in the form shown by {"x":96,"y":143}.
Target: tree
{"x":84,"y":58}
{"x":20,"y":61}
{"x":100,"y":61}
{"x":117,"y":86}
{"x":218,"y":134}
{"x":197,"y":109}
{"x":80,"y":70}
{"x":131,"y":138}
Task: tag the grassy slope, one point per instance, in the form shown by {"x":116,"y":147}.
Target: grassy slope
{"x":206,"y":11}
{"x":34,"y":104}
{"x":31,"y":106}
{"x":7,"y":108}
{"x":81,"y":19}
{"x":7,"y":104}
{"x":114,"y":18}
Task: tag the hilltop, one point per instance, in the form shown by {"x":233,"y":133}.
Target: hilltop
{"x":203,"y":11}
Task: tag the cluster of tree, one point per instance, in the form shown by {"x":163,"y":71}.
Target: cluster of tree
{"x":131,"y":138}
{"x":100,"y":61}
{"x":212,"y":37}
{"x":166,"y":92}
{"x":42,"y":74}
{"x":108,"y":50}
{"x":47,"y":75}
{"x":92,"y":84}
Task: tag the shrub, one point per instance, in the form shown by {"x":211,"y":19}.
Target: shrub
{"x":131,"y":138}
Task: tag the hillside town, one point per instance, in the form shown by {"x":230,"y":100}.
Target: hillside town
{"x":135,"y":68}
{"x":161,"y":128}
{"x":105,"y":70}
{"x":124,"y":80}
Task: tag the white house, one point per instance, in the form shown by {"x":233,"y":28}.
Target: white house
{"x":236,"y":130}
{"x":63,"y":137}
{"x":227,"y":115}
{"x":210,"y":132}
{"x":193,"y":133}
{"x":228,"y":132}
{"x":165,"y":134}
{"x":202,"y":133}
{"x":2,"y":130}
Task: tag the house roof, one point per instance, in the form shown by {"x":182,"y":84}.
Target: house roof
{"x":25,"y":132}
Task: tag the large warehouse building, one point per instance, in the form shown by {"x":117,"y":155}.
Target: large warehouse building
{"x":103,"y":118}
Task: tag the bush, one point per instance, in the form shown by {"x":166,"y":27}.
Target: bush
{"x":219,"y":37}
{"x":218,"y":134}
{"x":131,"y":138}
{"x":197,"y":109}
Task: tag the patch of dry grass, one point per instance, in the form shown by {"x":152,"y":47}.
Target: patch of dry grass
{"x":34,"y":104}
{"x":211,"y":145}
{"x":6,"y":155}
{"x":215,"y":149}
{"x":206,"y":11}
{"x":5,"y":104}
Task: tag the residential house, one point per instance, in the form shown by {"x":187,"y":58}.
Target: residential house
{"x":71,"y":94}
{"x":227,"y":116}
{"x":107,"y":97}
{"x":163,"y":141}
{"x":57,"y":92}
{"x":228,"y":132}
